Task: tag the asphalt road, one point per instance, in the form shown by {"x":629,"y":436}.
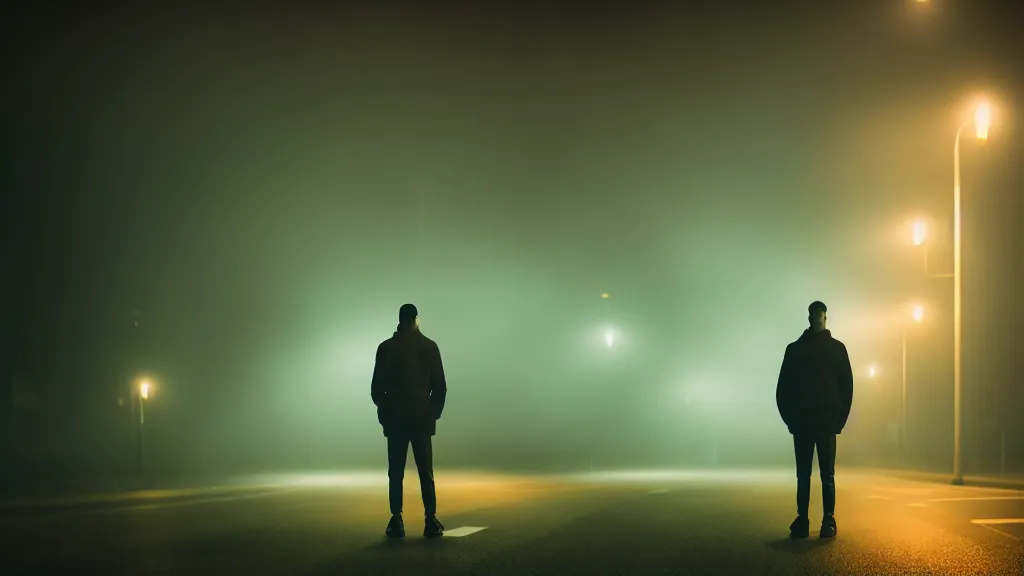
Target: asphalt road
{"x":642,"y":523}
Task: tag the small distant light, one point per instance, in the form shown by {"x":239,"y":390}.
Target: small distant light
{"x":609,"y":338}
{"x":872,"y":371}
{"x":917,"y":313}
{"x":144,"y":389}
{"x":605,"y":295}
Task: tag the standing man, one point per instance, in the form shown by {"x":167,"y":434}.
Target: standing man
{"x":814,"y":395}
{"x":409,"y":390}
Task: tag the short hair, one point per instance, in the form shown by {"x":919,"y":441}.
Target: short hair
{"x":407,"y":313}
{"x":816,"y":307}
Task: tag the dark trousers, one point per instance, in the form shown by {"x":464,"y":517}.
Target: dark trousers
{"x":804,"y":444}
{"x":422,"y":452}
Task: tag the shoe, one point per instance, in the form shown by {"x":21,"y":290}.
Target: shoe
{"x":432,"y":527}
{"x":396,"y":527}
{"x":800,"y":528}
{"x":828,"y":527}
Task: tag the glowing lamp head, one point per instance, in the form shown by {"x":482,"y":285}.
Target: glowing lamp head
{"x":144,"y":389}
{"x":917,"y":313}
{"x":872,"y":371}
{"x":920,"y":233}
{"x":609,"y":338}
{"x":982,"y":121}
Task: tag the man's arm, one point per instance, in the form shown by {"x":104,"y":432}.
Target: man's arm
{"x":844,"y":374}
{"x":438,"y":385}
{"x":379,"y":386}
{"x":784,"y":389}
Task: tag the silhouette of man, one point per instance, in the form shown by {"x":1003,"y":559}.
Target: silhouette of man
{"x":814,"y":395}
{"x":409,"y":390}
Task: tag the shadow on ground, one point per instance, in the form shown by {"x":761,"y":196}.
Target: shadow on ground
{"x":798,"y":545}
{"x":409,"y":555}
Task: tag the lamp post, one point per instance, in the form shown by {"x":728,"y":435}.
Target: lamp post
{"x":981,"y":120}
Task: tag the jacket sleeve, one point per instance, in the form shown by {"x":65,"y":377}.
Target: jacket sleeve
{"x":379,"y":384}
{"x":438,"y":385}
{"x":784,"y":389}
{"x":844,"y":374}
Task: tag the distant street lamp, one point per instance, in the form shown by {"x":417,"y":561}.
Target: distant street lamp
{"x":609,"y":337}
{"x":917,"y":315}
{"x":920,"y":232}
{"x":145,"y":389}
{"x":919,"y":236}
{"x":872,"y":371}
{"x":982,"y":120}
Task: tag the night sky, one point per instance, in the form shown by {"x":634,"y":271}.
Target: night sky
{"x":262,"y":188}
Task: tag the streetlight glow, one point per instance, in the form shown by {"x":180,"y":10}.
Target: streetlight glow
{"x":144,"y":389}
{"x":920,"y":233}
{"x":609,"y":337}
{"x":872,"y":371}
{"x":982,"y":121}
{"x":917,"y":313}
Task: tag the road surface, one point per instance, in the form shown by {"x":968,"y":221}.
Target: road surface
{"x":614,"y":523}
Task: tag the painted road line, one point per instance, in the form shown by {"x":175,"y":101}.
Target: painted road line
{"x":463,"y":531}
{"x":991,"y":523}
{"x":975,"y":498}
{"x":917,"y":505}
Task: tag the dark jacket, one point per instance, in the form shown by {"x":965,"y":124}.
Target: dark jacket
{"x":408,"y":385}
{"x":815,"y":389}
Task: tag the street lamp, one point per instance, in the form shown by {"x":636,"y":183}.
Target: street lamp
{"x":920,"y":233}
{"x":982,"y":120}
{"x":917,"y":315}
{"x":145,"y":389}
{"x":609,"y":337}
{"x":920,"y":237}
{"x":872,"y":371}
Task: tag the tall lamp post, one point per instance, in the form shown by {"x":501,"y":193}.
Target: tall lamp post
{"x":981,"y":120}
{"x":916,"y":314}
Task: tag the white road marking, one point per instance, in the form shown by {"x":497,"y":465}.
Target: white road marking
{"x":463,"y":531}
{"x":986,"y":523}
{"x":659,"y":491}
{"x":918,"y":505}
{"x":975,"y":498}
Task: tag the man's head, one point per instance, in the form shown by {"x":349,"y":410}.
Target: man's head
{"x":408,"y":316}
{"x":817,"y":316}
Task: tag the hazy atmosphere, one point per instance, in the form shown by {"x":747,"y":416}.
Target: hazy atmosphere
{"x":612,"y":222}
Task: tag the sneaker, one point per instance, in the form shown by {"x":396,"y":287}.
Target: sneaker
{"x":800,"y":528}
{"x":432,"y":527}
{"x":396,"y":527}
{"x":828,"y":527}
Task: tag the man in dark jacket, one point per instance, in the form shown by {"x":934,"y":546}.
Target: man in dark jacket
{"x":814,"y":395}
{"x":409,"y":391}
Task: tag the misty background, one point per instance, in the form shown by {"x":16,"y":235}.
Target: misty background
{"x":235,"y":202}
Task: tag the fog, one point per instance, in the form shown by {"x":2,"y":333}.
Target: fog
{"x":234,"y":204}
